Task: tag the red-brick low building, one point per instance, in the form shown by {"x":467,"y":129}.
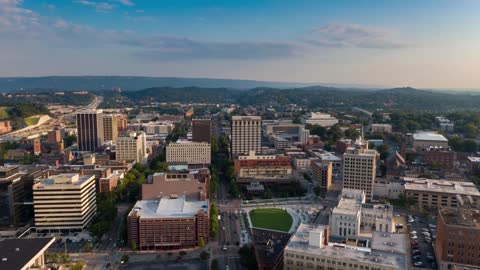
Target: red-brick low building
{"x":168,"y":223}
{"x":263,"y":168}
{"x":443,"y":158}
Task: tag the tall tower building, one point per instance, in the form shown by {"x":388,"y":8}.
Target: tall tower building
{"x":89,"y":130}
{"x":110,"y":128}
{"x":54,"y":136}
{"x":246,"y":134}
{"x":131,"y":147}
{"x":359,"y":168}
{"x":202,"y":130}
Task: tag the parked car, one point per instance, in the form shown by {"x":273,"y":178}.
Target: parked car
{"x":417,"y":264}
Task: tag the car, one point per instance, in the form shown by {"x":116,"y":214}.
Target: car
{"x":416,"y":257}
{"x":413,"y":232}
{"x":226,"y":267}
{"x":430,"y":257}
{"x":224,"y":248}
{"x":108,"y":265}
{"x":416,"y":252}
{"x":413,"y":237}
{"x":417,"y":264}
{"x":414,"y":244}
{"x":425,"y":230}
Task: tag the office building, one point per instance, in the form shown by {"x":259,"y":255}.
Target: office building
{"x":360,"y":168}
{"x":54,"y":136}
{"x":433,"y":193}
{"x":440,"y":158}
{"x":268,"y":247}
{"x":131,"y":147}
{"x":65,"y":202}
{"x":426,"y":139}
{"x":110,"y":128}
{"x":188,"y":152}
{"x":5,"y":126}
{"x":169,"y":222}
{"x":458,"y":238}
{"x":156,"y":128}
{"x":322,"y":174}
{"x":24,"y":253}
{"x":246,"y":135}
{"x":263,"y":168}
{"x":381,"y":128}
{"x":194,"y":184}
{"x":202,"y":130}
{"x":89,"y":130}
{"x":352,"y":215}
{"x":122,"y":122}
{"x":309,"y":248}
{"x":318,"y":118}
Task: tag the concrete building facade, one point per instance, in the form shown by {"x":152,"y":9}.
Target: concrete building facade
{"x":131,"y":147}
{"x":189,"y":152}
{"x":359,"y":169}
{"x":202,"y":130}
{"x":246,"y":134}
{"x":65,"y":202}
{"x":110,"y":127}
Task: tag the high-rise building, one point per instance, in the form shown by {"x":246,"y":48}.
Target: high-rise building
{"x":64,"y":202}
{"x":246,"y":134}
{"x":202,"y":130}
{"x":89,"y":130}
{"x":54,"y":136}
{"x":131,"y":147}
{"x":322,"y":174}
{"x":188,"y":152}
{"x":122,"y":122}
{"x":458,"y":238}
{"x":359,"y":168}
{"x":110,"y":128}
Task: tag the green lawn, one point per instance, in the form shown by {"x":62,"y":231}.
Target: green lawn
{"x":31,"y":121}
{"x":271,"y":218}
{"x":4,"y":112}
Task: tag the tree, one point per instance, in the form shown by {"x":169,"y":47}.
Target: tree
{"x":77,"y":266}
{"x":213,"y":220}
{"x":384,"y":151}
{"x":456,"y":143}
{"x":201,"y":242}
{"x":182,"y":253}
{"x":204,"y":255}
{"x":88,"y":246}
{"x":469,"y":146}
{"x":133,"y":245}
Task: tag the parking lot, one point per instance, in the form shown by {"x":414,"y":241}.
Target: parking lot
{"x":422,"y":232}
{"x":72,"y":242}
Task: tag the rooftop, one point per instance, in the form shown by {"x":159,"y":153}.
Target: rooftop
{"x":64,"y":179}
{"x":461,"y":217}
{"x":239,"y":117}
{"x":299,"y":242}
{"x":166,"y":207}
{"x":429,"y":136}
{"x":389,"y":242}
{"x":269,"y":244}
{"x":444,"y":186}
{"x":17,"y":253}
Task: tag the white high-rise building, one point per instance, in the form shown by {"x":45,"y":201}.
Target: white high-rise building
{"x":131,"y":147}
{"x":246,"y":134}
{"x":64,"y":202}
{"x":189,"y":152}
{"x":359,"y":168}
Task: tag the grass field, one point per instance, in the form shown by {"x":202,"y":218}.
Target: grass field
{"x":4,"y":112}
{"x":271,"y":218}
{"x":31,"y":120}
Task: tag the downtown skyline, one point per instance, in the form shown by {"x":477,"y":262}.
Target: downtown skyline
{"x":425,"y":44}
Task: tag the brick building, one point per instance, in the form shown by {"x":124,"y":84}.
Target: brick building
{"x":443,"y":158}
{"x":264,"y":168}
{"x":458,"y":237}
{"x":322,"y":174}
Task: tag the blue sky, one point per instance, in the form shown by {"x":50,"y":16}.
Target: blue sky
{"x":388,"y":43}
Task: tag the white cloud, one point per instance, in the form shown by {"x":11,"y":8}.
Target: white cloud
{"x":126,"y":2}
{"x":353,"y":35}
{"x":98,"y":6}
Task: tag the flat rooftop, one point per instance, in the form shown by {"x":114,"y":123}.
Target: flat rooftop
{"x":239,"y":117}
{"x":169,"y":208}
{"x":441,"y":186}
{"x":299,"y":243}
{"x":429,"y":136}
{"x":389,"y":242}
{"x":269,"y":245}
{"x":64,"y":179}
{"x":461,"y":217}
{"x":17,"y":253}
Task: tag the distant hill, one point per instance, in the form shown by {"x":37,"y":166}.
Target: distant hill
{"x":129,"y":83}
{"x":407,"y":99}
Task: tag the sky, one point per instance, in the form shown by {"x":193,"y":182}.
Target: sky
{"x":424,"y":44}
